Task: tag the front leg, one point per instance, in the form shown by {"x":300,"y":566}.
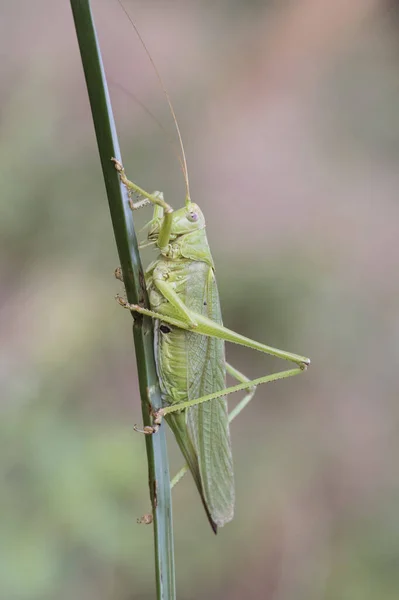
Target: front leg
{"x":156,"y":198}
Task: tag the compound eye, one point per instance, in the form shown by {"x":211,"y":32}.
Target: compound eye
{"x":192,"y":216}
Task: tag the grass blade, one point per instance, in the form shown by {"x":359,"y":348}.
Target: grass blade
{"x":126,"y":242}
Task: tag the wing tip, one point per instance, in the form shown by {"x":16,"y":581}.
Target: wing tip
{"x":212,"y":523}
{"x":214,"y":526}
{"x":219,"y":522}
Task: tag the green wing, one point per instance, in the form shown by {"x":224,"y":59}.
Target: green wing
{"x":207,"y":423}
{"x":190,"y":366}
{"x":177,"y":422}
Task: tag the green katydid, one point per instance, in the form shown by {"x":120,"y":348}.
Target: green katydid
{"x":190,"y":343}
{"x":189,"y":350}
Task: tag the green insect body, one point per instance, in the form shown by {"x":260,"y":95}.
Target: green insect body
{"x":190,"y":365}
{"x":189,"y":349}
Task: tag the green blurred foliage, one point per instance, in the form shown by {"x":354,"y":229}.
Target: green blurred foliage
{"x":291,"y":133}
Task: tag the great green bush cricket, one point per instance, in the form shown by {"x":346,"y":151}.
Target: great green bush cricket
{"x":189,"y":343}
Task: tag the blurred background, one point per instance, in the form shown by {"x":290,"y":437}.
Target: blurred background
{"x":289,"y":115}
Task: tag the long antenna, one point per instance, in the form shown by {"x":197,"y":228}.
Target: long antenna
{"x":165,"y":91}
{"x":168,"y":137}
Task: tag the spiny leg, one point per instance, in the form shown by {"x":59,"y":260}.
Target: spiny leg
{"x":160,"y":413}
{"x":145,"y":202}
{"x":208,"y":327}
{"x":229,"y":390}
{"x":139,"y":203}
{"x":156,"y":198}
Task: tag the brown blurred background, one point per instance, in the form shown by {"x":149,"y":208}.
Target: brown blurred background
{"x":290,"y":117}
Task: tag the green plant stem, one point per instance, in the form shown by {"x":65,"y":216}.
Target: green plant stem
{"x":125,"y":237}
